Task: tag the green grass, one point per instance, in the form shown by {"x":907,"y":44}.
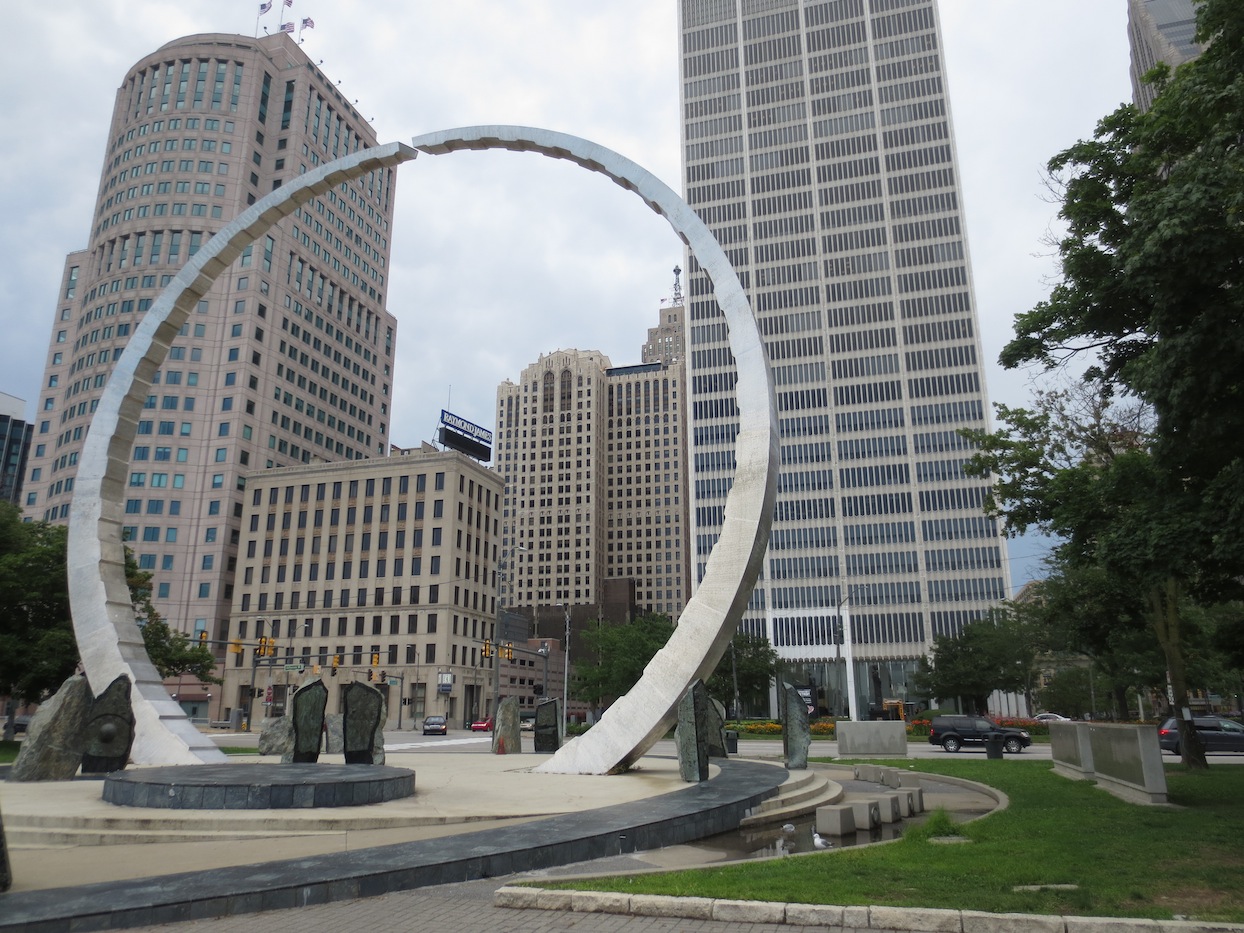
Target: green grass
{"x":8,"y":752}
{"x":1126,"y":860}
{"x":239,"y":750}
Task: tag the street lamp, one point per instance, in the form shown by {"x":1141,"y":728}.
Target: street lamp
{"x":848,"y":653}
{"x":543,"y":651}
{"x":566,"y":678}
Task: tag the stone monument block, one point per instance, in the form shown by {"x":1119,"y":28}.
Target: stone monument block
{"x":363,"y":712}
{"x":310,"y":701}
{"x":867,"y":814}
{"x":796,"y":732}
{"x":548,"y":726}
{"x":334,"y":734}
{"x":109,"y":733}
{"x":888,"y":808}
{"x":715,"y":734}
{"x":690,"y":735}
{"x":277,"y":738}
{"x":507,"y":736}
{"x":52,"y":749}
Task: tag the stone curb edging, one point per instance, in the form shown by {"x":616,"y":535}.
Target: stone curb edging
{"x":833,"y":918}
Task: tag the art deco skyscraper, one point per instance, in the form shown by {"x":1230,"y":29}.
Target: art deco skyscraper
{"x":288,"y":359}
{"x":817,"y":145}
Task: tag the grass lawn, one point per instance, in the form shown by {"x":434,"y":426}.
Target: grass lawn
{"x":8,"y":752}
{"x":1126,"y":860}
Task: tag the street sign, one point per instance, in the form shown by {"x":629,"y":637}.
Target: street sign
{"x":394,"y":681}
{"x":293,"y":667}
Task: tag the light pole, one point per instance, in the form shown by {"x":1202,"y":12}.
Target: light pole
{"x":496,"y":635}
{"x":848,"y":654}
{"x":543,"y":651}
{"x":566,"y":678}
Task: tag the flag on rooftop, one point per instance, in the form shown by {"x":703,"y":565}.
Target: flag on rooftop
{"x":308,"y":22}
{"x":265,"y":7}
{"x":287,"y":27}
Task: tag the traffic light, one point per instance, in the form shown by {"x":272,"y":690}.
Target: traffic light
{"x":203,"y":639}
{"x":371,"y":675}
{"x":384,"y":676}
{"x":375,"y":659}
{"x":508,"y":651}
{"x":336,"y":663}
{"x":235,"y":646}
{"x":487,"y":648}
{"x":315,"y":668}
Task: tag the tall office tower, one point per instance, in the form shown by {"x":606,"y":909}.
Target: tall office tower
{"x":288,"y":358}
{"x":594,"y":461}
{"x":1159,"y":31}
{"x":15,"y":436}
{"x":817,"y":145}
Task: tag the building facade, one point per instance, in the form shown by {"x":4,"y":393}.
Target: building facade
{"x":1158,"y":31}
{"x":15,"y":436}
{"x":289,"y":357}
{"x":818,"y":147}
{"x":384,"y":570}
{"x":594,"y":461}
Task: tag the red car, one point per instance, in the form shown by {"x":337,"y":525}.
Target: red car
{"x":482,"y":725}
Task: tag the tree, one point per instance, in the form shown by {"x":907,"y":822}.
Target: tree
{"x":752,"y":660}
{"x":617,"y":654}
{"x":1151,"y":282}
{"x":987,"y":655}
{"x":37,"y":646}
{"x":172,"y":652}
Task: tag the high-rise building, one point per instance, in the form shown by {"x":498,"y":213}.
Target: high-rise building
{"x":385,"y":570}
{"x":595,"y":468}
{"x":15,"y":435}
{"x":287,"y":360}
{"x":818,"y":147}
{"x":1159,"y":31}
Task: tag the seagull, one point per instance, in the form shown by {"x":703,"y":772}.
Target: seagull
{"x":820,"y":842}
{"x":788,"y":828}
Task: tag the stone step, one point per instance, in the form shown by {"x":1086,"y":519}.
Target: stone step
{"x":795,"y":799}
{"x":801,"y":782}
{"x":28,"y":839}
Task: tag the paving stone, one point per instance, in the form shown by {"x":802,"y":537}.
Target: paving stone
{"x":729,"y":911}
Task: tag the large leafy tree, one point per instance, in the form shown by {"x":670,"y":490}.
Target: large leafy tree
{"x":37,"y":646}
{"x":616,"y":655}
{"x":1151,"y":291}
{"x":987,"y":655}
{"x":749,"y":662}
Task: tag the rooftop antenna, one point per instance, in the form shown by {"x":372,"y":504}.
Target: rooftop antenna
{"x":677,"y":299}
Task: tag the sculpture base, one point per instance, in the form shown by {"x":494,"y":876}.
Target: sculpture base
{"x":258,"y":786}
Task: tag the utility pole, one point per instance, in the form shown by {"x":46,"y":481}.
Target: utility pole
{"x":496,"y":635}
{"x":848,"y":653}
{"x":566,"y":678}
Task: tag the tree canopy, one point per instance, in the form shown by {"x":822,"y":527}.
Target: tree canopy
{"x":752,"y":660}
{"x":616,"y":655}
{"x":987,"y":655}
{"x":1151,"y":293}
{"x":37,"y":646}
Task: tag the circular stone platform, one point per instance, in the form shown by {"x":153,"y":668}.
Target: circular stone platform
{"x":258,"y":786}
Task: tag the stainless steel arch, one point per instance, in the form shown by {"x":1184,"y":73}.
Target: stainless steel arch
{"x":103,"y":620}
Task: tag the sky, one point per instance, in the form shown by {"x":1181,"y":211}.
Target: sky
{"x":499,"y":257}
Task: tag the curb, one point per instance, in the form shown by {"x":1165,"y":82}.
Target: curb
{"x":835,"y":919}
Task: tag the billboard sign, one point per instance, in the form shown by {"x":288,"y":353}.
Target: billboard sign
{"x":461,"y":435}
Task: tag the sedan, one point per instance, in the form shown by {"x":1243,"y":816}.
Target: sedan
{"x":435,"y":725}
{"x":482,"y":725}
{"x":1217,"y":734}
{"x":1050,"y":717}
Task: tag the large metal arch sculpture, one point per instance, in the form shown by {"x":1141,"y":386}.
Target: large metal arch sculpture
{"x":108,"y":638}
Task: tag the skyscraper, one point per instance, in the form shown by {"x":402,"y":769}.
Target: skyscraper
{"x":1159,"y":31}
{"x":594,"y":461}
{"x":15,"y":435}
{"x":288,"y":359}
{"x":817,"y":145}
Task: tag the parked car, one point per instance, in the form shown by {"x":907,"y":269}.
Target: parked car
{"x":1217,"y":733}
{"x":1051,"y":717}
{"x":954,"y":732}
{"x":482,"y":725}
{"x":435,"y":725}
{"x":20,"y":724}
{"x":527,"y":725}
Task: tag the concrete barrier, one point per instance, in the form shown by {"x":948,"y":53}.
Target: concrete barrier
{"x":1125,"y":760}
{"x":871,"y":738}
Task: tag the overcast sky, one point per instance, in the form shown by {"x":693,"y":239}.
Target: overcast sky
{"x":499,"y":257}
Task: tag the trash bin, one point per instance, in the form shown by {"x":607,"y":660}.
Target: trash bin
{"x":993,"y":745}
{"x":732,"y":742}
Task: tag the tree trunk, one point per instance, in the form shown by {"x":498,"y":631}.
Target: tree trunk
{"x":1163,"y":602}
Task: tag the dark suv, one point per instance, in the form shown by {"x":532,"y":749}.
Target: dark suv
{"x":954,"y":732}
